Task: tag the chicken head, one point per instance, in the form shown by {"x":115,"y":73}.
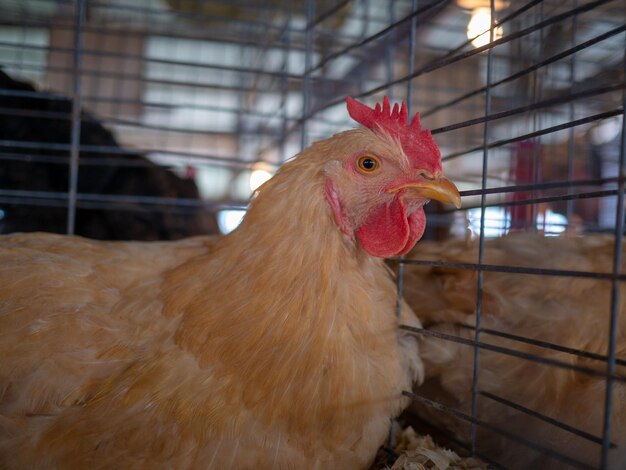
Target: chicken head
{"x":386,"y":174}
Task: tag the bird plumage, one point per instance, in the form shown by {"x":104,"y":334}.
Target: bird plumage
{"x":36,"y":129}
{"x":275,"y":346}
{"x":567,"y":311}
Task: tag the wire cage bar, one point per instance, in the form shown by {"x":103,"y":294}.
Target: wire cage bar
{"x":155,"y":120}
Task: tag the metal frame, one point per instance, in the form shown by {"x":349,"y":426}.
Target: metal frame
{"x":282,"y":129}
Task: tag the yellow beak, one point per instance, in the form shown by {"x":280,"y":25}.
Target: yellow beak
{"x":440,"y":189}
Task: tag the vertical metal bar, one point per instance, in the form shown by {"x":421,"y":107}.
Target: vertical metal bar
{"x":117,"y":107}
{"x":572,"y":115}
{"x":245,"y":83}
{"x":409,"y":85}
{"x":389,"y":49}
{"x":481,"y":241}
{"x":79,"y":17}
{"x":248,"y":101}
{"x":163,"y":139}
{"x":615,"y":290}
{"x":286,"y":41}
{"x":19,"y":59}
{"x":308,"y":65}
{"x":362,"y":35}
{"x":240,"y":135}
{"x":538,"y":77}
{"x":409,"y":98}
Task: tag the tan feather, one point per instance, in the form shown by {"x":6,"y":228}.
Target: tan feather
{"x":273,"y":347}
{"x":568,"y":311}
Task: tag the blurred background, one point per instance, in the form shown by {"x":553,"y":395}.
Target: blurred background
{"x":158,"y":119}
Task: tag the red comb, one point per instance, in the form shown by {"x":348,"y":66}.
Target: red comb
{"x":417,"y":144}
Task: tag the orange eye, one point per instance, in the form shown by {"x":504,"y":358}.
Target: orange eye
{"x":368,"y":164}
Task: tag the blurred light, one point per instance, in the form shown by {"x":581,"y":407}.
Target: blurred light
{"x":479,"y":23}
{"x":498,"y":222}
{"x":213,"y":182}
{"x":258,"y":177}
{"x":552,"y":223}
{"x":472,"y":4}
{"x":228,"y":220}
{"x":606,"y":131}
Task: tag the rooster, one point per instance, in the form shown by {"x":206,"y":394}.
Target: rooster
{"x":275,"y":346}
{"x":566,"y":311}
{"x":34,"y":124}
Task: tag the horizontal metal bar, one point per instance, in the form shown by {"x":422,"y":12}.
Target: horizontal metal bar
{"x":446,"y":61}
{"x":512,"y":352}
{"x":166,"y":30}
{"x":193,"y":16}
{"x":118,"y":150}
{"x":110,"y":206}
{"x":539,"y":200}
{"x":539,"y":186}
{"x":123,"y":76}
{"x":55,"y":115}
{"x":527,"y":70}
{"x":162,"y":30}
{"x":43,"y":95}
{"x":499,"y":268}
{"x":548,"y":130}
{"x":545,"y":344}
{"x":141,"y":162}
{"x":144,"y":162}
{"x":500,"y":431}
{"x":132,"y":102}
{"x":152,"y":81}
{"x":130,"y":162}
{"x":154,"y":60}
{"x":511,"y":16}
{"x":566,"y":197}
{"x":112,"y":201}
{"x":377,"y":35}
{"x":138,"y":161}
{"x":198,"y":16}
{"x":556,"y":100}
{"x":547,"y":419}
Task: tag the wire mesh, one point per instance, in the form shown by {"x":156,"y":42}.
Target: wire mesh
{"x":149,"y":120}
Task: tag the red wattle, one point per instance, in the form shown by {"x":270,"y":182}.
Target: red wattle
{"x":417,"y":225}
{"x":388,"y":231}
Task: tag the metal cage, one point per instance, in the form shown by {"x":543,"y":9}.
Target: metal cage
{"x":157,"y":119}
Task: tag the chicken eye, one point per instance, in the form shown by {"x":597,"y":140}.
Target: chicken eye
{"x":368,"y":164}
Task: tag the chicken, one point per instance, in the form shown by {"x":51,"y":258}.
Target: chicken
{"x":571,"y":312}
{"x":35,"y":136}
{"x":275,"y":346}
